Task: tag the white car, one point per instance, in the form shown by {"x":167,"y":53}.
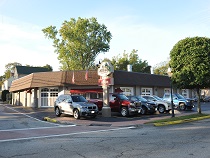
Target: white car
{"x":163,"y":106}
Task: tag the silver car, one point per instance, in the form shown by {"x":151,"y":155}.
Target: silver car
{"x":163,"y":106}
{"x":75,"y":105}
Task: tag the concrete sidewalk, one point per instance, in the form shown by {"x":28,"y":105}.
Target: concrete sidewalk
{"x":47,"y":114}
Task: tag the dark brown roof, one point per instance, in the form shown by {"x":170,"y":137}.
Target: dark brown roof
{"x":28,"y":70}
{"x":64,"y":78}
{"x":125,"y":78}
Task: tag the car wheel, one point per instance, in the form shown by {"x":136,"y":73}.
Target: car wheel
{"x":57,"y":112}
{"x":143,"y":110}
{"x":76,"y":114}
{"x":182,"y":106}
{"x":124,"y":111}
{"x":161,"y":109}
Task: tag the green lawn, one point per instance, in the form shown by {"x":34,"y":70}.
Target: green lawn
{"x":180,"y":119}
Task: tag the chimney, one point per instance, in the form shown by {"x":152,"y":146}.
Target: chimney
{"x":129,"y":68}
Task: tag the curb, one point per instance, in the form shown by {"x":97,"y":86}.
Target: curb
{"x":50,"y":120}
{"x":181,"y":121}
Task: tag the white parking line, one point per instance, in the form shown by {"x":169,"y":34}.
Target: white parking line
{"x":68,"y":134}
{"x":22,"y":129}
{"x":29,"y":116}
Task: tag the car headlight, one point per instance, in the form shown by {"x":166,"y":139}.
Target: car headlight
{"x":132,"y":104}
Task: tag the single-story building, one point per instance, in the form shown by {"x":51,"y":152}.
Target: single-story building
{"x":41,"y":89}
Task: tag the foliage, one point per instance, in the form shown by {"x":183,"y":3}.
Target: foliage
{"x":190,"y":62}
{"x":48,"y":67}
{"x":10,"y":68}
{"x":120,"y":63}
{"x":161,"y":69}
{"x":79,"y":42}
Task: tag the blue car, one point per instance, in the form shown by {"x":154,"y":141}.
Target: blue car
{"x":179,"y":101}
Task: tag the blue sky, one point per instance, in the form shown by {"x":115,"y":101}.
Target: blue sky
{"x":152,"y":27}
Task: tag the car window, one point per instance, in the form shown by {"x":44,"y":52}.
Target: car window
{"x":141,"y":98}
{"x":68,"y":100}
{"x":134,"y":99}
{"x":78,"y":99}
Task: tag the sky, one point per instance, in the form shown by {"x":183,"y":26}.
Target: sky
{"x":152,"y":27}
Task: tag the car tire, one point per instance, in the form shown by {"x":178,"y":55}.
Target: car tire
{"x":182,"y":106}
{"x":124,"y":111}
{"x":143,"y":110}
{"x":76,"y":114}
{"x":57,"y":112}
{"x":161,"y":109}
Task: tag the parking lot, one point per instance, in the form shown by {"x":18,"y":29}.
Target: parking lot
{"x":115,"y":120}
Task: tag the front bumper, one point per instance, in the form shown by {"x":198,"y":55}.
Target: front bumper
{"x":89,"y":113}
{"x":134,"y":110}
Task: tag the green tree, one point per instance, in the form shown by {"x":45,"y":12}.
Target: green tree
{"x":78,"y":42}
{"x":161,"y":68}
{"x":121,"y":62}
{"x":190,"y":63}
{"x":48,"y":67}
{"x":10,"y":68}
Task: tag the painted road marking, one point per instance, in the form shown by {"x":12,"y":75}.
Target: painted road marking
{"x":67,"y":134}
{"x":22,"y":129}
{"x":29,"y":116}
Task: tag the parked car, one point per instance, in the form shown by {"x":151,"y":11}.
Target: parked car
{"x":75,"y":105}
{"x":206,"y":99}
{"x":179,"y":101}
{"x":120,"y":103}
{"x":162,"y":106}
{"x":146,"y":106}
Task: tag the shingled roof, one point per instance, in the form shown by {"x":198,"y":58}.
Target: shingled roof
{"x":28,"y":70}
{"x":64,"y":78}
{"x":56,"y":78}
{"x":125,"y":78}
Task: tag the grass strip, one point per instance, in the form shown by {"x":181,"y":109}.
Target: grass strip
{"x":180,"y":119}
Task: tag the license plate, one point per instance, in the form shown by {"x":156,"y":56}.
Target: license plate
{"x":92,"y":112}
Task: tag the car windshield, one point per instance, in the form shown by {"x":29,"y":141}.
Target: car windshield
{"x":78,"y":99}
{"x":141,"y":98}
{"x":179,"y":96}
{"x":122,"y":97}
{"x":156,"y":97}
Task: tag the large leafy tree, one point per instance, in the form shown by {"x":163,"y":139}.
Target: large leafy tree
{"x":78,"y":42}
{"x":190,"y":63}
{"x":10,"y":68}
{"x":161,"y":68}
{"x":121,"y":62}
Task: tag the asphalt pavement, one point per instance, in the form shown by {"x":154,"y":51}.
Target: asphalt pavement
{"x":47,"y":114}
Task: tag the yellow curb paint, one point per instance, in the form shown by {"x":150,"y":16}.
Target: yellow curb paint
{"x":181,"y":121}
{"x":50,"y":120}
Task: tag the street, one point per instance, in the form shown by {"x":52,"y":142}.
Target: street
{"x":22,"y":136}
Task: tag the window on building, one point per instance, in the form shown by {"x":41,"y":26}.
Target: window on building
{"x":127,"y":90}
{"x":167,"y":90}
{"x":146,"y":91}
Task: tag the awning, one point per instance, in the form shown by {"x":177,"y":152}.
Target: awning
{"x":81,"y":91}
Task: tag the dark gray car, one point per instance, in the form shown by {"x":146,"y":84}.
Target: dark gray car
{"x":75,"y":105}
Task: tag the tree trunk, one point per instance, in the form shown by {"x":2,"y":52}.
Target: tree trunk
{"x":199,"y":102}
